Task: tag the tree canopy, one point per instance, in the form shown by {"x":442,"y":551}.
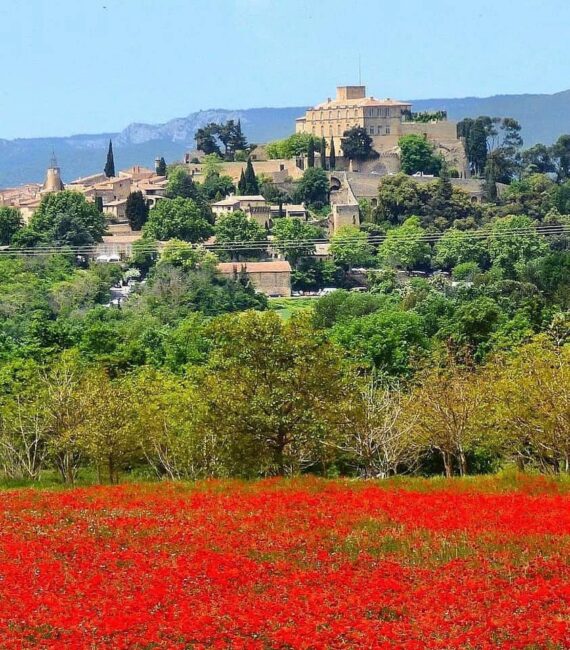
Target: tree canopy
{"x":357,"y":144}
{"x":177,"y":219}
{"x":64,"y":219}
{"x":417,"y":154}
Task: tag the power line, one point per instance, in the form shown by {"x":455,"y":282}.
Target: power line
{"x":551,"y":230}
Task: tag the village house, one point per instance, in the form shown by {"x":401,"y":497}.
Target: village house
{"x":234,"y":203}
{"x":290,"y":210}
{"x":271,"y":278}
{"x":113,"y":192}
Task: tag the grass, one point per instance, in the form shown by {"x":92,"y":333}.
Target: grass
{"x":286,"y":307}
{"x":508,"y":480}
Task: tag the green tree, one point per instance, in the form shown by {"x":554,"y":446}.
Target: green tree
{"x":471,"y":326}
{"x":251,"y":184}
{"x":238,"y":141}
{"x":10,"y":222}
{"x":177,"y":219}
{"x":295,"y":145}
{"x":400,"y":197}
{"x":293,"y":238}
{"x":417,"y":154}
{"x":447,"y":409}
{"x":206,"y":139}
{"x":313,"y":187}
{"x":110,"y":164}
{"x":538,"y":160}
{"x":311,"y":153}
{"x":349,"y":247}
{"x":323,"y":153}
{"x":211,"y":165}
{"x":180,"y":185}
{"x":144,"y":254}
{"x":357,"y":144}
{"x":257,"y":363}
{"x":104,"y":434}
{"x":561,"y":155}
{"x":235,"y":227}
{"x":458,"y":247}
{"x":389,"y":341}
{"x":216,"y":187}
{"x":186,"y":256}
{"x":161,"y":169}
{"x":332,"y":155}
{"x":474,"y":134}
{"x":405,"y":247}
{"x":513,"y":242}
{"x":136,"y":210}
{"x":242,"y":185}
{"x":66,"y":219}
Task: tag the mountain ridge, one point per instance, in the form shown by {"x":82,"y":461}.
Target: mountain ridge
{"x":543,"y":117}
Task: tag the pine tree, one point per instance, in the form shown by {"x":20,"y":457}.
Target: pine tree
{"x":238,"y":140}
{"x":323,"y":153}
{"x":332,"y":156}
{"x":136,"y":210}
{"x":242,"y":185}
{"x":251,"y":184}
{"x":161,"y":167}
{"x":311,"y":153}
{"x":110,"y":164}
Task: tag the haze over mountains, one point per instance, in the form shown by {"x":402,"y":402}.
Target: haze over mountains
{"x":543,"y":118}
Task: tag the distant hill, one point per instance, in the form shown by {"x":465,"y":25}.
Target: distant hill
{"x":543,"y":117}
{"x":25,"y":160}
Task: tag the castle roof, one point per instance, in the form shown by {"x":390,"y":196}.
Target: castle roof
{"x":360,"y":102}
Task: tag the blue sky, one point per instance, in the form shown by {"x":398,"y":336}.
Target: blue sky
{"x":80,"y":66}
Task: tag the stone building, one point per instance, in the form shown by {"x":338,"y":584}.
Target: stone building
{"x":233,"y":203}
{"x":270,"y":278}
{"x":385,"y":120}
{"x":351,"y":108}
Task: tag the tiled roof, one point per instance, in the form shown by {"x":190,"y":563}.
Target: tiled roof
{"x":232,"y":200}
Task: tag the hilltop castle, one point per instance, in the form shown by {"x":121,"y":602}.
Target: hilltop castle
{"x":385,"y":120}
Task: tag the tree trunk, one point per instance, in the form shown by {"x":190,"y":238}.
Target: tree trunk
{"x":446,"y":456}
{"x":462,"y":463}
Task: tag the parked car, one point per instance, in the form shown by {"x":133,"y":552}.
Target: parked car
{"x":327,"y":290}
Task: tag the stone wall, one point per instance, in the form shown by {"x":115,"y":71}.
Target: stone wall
{"x":274,"y":169}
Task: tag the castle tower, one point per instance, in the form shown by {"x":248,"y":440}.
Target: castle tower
{"x":53,"y":182}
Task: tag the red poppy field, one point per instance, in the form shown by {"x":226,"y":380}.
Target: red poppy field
{"x":286,"y":564}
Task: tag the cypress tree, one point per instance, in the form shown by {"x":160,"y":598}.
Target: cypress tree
{"x":238,"y":140}
{"x":136,"y":210}
{"x":161,"y":167}
{"x":332,"y":156}
{"x":323,"y":153}
{"x":311,"y":153}
{"x":110,"y":164}
{"x":242,"y":185}
{"x":99,"y":203}
{"x":251,"y":184}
